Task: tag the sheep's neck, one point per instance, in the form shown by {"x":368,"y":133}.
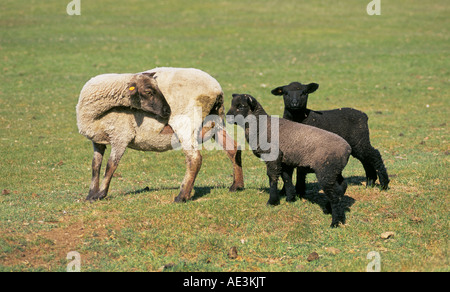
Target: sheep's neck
{"x":296,"y":115}
{"x":258,"y":111}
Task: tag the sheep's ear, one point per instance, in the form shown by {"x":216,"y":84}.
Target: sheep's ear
{"x":310,"y":88}
{"x":278,"y":91}
{"x":132,"y":88}
{"x":252,"y":102}
{"x":151,"y":75}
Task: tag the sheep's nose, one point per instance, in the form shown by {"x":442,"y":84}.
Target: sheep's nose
{"x":166,"y":111}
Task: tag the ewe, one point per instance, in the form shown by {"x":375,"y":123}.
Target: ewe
{"x":116,"y":109}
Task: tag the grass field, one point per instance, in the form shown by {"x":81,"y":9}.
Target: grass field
{"x":394,"y":66}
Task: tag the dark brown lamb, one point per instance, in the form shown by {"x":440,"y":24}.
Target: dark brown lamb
{"x":306,"y":148}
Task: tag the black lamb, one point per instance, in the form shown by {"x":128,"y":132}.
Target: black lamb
{"x":293,"y":145}
{"x":349,"y":123}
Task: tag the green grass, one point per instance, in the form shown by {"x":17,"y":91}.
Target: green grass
{"x":395,"y":67}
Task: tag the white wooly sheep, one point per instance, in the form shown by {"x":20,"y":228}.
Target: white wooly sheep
{"x":192,"y":96}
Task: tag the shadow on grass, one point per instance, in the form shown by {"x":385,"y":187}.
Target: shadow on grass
{"x":198,"y":191}
{"x":313,"y":192}
{"x":316,"y":196}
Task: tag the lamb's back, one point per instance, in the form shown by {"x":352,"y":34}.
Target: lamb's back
{"x":310,"y":146}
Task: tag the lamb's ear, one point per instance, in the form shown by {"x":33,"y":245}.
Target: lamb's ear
{"x":310,"y":88}
{"x":278,"y":91}
{"x":252,"y":102}
{"x":151,"y":75}
{"x":132,"y":88}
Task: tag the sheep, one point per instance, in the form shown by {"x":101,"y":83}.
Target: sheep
{"x":349,"y":123}
{"x":306,"y":148}
{"x":118,"y":123}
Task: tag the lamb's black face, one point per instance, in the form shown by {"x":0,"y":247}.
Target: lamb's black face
{"x":295,"y":95}
{"x":242,"y":104}
{"x":146,"y":95}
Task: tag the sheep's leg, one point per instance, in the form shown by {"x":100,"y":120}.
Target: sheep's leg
{"x":334,"y":190}
{"x":287,"y":180}
{"x":193,"y":164}
{"x":231,"y":148}
{"x":300,"y":186}
{"x":374,"y":167}
{"x":371,"y":173}
{"x":99,"y":150}
{"x":273,"y":172}
{"x":113,"y":161}
{"x":337,"y":212}
{"x":381,"y":169}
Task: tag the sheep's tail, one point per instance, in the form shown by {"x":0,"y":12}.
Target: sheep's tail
{"x":215,"y":120}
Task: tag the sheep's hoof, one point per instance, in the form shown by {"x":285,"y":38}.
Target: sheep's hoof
{"x":334,"y":225}
{"x":291,"y":199}
{"x":236,"y":187}
{"x":180,"y":200}
{"x":384,"y":187}
{"x":370,"y":183}
{"x":95,"y":196}
{"x":273,"y":203}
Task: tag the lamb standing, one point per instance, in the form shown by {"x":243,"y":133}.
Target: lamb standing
{"x":348,"y":123}
{"x":306,"y":148}
{"x":122,"y":126}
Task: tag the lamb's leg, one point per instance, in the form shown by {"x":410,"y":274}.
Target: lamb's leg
{"x":273,"y":172}
{"x":287,"y":180}
{"x":373,"y":165}
{"x":193,"y":164}
{"x":371,"y":173}
{"x":113,"y":161}
{"x":99,"y":150}
{"x":231,"y":148}
{"x":381,"y":169}
{"x":300,"y":186}
{"x":334,"y":190}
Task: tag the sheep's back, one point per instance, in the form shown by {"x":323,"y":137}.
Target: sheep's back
{"x":185,"y":88}
{"x":310,"y":146}
{"x":99,"y":95}
{"x":349,"y":123}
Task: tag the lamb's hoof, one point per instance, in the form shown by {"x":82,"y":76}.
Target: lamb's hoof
{"x":370,"y":183}
{"x":273,"y":203}
{"x":384,"y":187}
{"x":291,"y":199}
{"x":334,"y":225}
{"x":336,"y":221}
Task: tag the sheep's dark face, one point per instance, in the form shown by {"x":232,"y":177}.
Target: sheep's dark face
{"x":145,"y":95}
{"x":295,"y":95}
{"x":242,"y":104}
